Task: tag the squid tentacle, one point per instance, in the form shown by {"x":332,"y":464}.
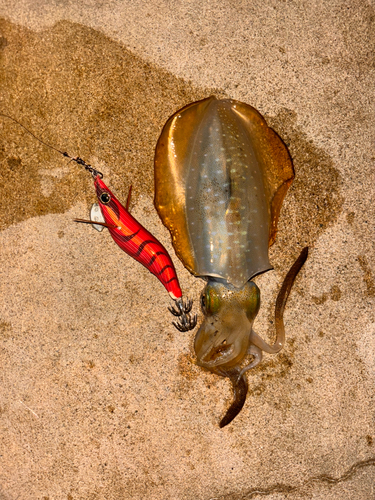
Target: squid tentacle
{"x":257,"y":353}
{"x":239,"y":384}
{"x":280,"y":306}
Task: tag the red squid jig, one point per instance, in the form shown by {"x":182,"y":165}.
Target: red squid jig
{"x":135,"y":240}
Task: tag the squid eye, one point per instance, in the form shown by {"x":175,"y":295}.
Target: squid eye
{"x":105,"y":198}
{"x":250,"y":300}
{"x":210,"y":301}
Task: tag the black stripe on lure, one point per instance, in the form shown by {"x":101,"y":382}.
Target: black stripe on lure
{"x":221,"y":175}
{"x":133,"y":239}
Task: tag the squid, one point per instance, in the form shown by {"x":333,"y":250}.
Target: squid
{"x":221,"y":175}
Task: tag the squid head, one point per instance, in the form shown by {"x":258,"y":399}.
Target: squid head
{"x":223,"y":339}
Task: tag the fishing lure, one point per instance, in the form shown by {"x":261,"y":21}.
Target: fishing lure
{"x":221,"y":175}
{"x":134,"y":239}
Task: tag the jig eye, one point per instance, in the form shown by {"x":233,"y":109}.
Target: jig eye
{"x":105,"y":198}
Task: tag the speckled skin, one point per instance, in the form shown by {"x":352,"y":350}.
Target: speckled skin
{"x":227,"y":214}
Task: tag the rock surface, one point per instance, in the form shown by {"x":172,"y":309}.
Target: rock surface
{"x":100,"y":397}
